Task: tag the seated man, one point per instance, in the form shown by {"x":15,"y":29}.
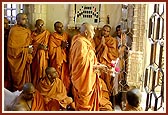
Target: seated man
{"x":133,"y":100}
{"x":54,"y":91}
{"x":28,"y":100}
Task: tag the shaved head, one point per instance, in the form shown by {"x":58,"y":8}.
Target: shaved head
{"x":87,"y":29}
{"x":19,"y":15}
{"x":39,"y":21}
{"x":49,"y":70}
{"x":28,"y":87}
{"x":22,"y":19}
{"x":85,"y":26}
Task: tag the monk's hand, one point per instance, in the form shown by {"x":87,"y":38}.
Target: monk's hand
{"x":103,"y":41}
{"x":30,"y":49}
{"x":45,"y":47}
{"x":100,"y":67}
{"x":64,"y":44}
{"x":42,"y":47}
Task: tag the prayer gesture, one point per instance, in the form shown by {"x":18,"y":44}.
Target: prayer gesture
{"x":100,"y":67}
{"x":30,"y":49}
{"x":64,"y":44}
{"x":42,"y":46}
{"x":103,"y":41}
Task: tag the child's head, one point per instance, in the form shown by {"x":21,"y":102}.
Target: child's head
{"x":134,"y":97}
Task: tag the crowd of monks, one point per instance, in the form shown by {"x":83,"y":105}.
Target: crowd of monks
{"x":56,"y":71}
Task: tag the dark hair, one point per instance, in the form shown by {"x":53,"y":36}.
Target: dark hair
{"x":58,"y":22}
{"x":134,"y":97}
{"x":119,"y":26}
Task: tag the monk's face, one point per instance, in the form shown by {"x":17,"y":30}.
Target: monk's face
{"x":59,"y":28}
{"x":118,"y":31}
{"x":53,"y":73}
{"x":106,"y":31}
{"x":6,"y":23}
{"x":29,"y":95}
{"x":40,"y":25}
{"x":23,"y":20}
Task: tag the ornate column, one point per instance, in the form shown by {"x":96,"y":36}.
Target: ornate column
{"x":102,"y":16}
{"x":37,"y":11}
{"x":136,"y":58}
{"x":72,"y":18}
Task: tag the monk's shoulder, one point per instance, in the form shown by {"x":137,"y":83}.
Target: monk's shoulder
{"x":53,"y":34}
{"x":48,"y":32}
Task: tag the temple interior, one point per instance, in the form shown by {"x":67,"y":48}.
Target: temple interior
{"x":144,"y":63}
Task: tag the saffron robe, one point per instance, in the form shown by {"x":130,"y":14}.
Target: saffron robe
{"x":55,"y":94}
{"x":40,"y":56}
{"x":105,"y":54}
{"x":18,"y":56}
{"x":85,"y":82}
{"x":58,"y":57}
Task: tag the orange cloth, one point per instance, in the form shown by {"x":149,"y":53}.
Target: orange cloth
{"x":58,"y":57}
{"x":132,"y":108}
{"x":105,"y":104}
{"x":108,"y":52}
{"x":18,"y":57}
{"x":20,"y":104}
{"x":105,"y":55}
{"x":38,"y":102}
{"x":40,"y":56}
{"x":84,"y":80}
{"x":54,"y":91}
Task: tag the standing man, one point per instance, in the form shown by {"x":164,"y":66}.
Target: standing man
{"x":58,"y":45}
{"x":86,"y":87}
{"x":19,"y":51}
{"x":106,"y":51}
{"x":40,"y":38}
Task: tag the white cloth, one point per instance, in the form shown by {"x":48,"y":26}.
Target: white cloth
{"x":9,"y":97}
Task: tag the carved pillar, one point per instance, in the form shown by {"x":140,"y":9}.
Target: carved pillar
{"x":37,"y":11}
{"x":102,"y":16}
{"x":72,"y":18}
{"x":136,"y":58}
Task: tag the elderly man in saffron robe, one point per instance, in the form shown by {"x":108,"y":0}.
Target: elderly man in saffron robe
{"x":58,"y":45}
{"x":85,"y":83}
{"x":54,"y":91}
{"x":40,"y":38}
{"x":19,"y":52}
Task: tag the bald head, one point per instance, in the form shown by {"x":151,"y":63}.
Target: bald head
{"x":87,"y":29}
{"x":28,"y":87}
{"x":21,"y":19}
{"x":28,"y":91}
{"x":134,"y":97}
{"x":48,"y":70}
{"x":58,"y":26}
{"x":39,"y":25}
{"x":39,"y":20}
